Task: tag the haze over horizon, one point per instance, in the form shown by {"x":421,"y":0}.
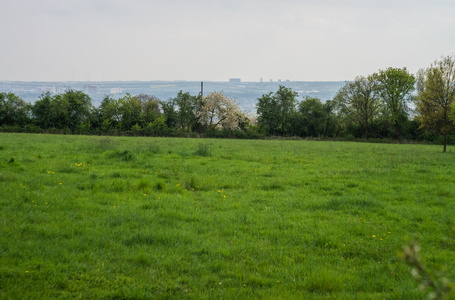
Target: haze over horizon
{"x":201,"y":40}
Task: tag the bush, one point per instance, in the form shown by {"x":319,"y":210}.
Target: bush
{"x":136,"y":130}
{"x":156,"y":128}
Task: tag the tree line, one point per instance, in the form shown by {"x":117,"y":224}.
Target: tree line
{"x":390,"y":104}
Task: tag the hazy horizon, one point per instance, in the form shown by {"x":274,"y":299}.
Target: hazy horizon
{"x":203,"y":40}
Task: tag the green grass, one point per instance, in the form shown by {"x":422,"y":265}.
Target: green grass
{"x":137,"y":218}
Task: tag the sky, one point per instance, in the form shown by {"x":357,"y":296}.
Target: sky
{"x":212,"y":40}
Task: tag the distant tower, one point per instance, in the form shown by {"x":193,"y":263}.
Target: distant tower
{"x":261,"y":80}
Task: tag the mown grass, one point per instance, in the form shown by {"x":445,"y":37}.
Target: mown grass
{"x":136,"y":218}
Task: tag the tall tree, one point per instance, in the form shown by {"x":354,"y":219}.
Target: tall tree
{"x":359,"y":102}
{"x":130,"y":109}
{"x":150,"y":107}
{"x":395,"y":87}
{"x":170,"y":113}
{"x":41,"y":111}
{"x":217,"y":110}
{"x":109,"y":114}
{"x":276,"y":111}
{"x":78,"y":107}
{"x":312,"y":117}
{"x":59,"y":112}
{"x":13,"y":110}
{"x":187,"y":108}
{"x":436,"y":88}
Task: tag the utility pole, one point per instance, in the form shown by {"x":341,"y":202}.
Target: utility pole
{"x":202,"y":89}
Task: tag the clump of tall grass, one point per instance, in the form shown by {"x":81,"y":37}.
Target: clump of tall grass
{"x":203,"y":150}
{"x":125,"y":155}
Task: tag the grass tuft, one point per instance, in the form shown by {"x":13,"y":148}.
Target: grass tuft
{"x":203,"y":150}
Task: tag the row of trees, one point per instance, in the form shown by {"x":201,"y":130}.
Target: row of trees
{"x":73,"y":112}
{"x":387,"y":97}
{"x":391,"y":103}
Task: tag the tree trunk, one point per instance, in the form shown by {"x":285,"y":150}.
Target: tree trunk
{"x":445,"y":143}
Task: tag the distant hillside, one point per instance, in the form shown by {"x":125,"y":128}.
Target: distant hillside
{"x":245,"y":92}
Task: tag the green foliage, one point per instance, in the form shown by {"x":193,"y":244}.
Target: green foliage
{"x":276,"y":111}
{"x":72,"y":110}
{"x":84,"y":128}
{"x":136,"y":129}
{"x":395,"y":87}
{"x":109,"y":114}
{"x":375,"y":107}
{"x":187,"y":107}
{"x":359,"y":102}
{"x":315,"y":119}
{"x":78,"y":106}
{"x":436,"y":87}
{"x":150,"y":106}
{"x":13,"y":110}
{"x":130,"y":109}
{"x":157,"y":128}
{"x":169,"y":110}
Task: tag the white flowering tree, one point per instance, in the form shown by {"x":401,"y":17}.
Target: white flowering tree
{"x":218,"y":111}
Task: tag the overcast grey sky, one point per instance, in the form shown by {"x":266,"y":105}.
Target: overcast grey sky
{"x":314,"y":40}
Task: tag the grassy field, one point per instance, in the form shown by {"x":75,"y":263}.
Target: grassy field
{"x":137,"y":218}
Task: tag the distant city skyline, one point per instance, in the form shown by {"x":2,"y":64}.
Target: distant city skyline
{"x":245,"y":93}
{"x":201,"y":40}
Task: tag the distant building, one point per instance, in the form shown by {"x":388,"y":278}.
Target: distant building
{"x":261,"y":81}
{"x":90,"y":89}
{"x":235,"y":80}
{"x":51,"y":89}
{"x":116,"y":90}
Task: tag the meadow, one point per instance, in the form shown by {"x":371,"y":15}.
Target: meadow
{"x":137,"y":218}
